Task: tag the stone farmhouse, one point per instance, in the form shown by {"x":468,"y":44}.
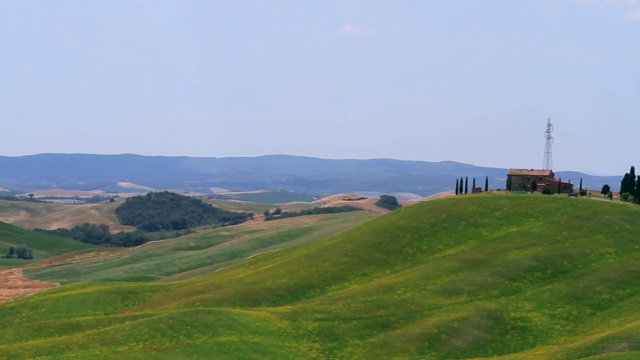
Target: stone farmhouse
{"x":523,"y":179}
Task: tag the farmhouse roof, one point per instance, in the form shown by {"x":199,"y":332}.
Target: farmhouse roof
{"x":530,"y":172}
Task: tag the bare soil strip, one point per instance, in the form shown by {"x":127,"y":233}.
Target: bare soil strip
{"x":13,"y":283}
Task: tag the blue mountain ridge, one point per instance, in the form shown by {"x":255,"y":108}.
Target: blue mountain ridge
{"x":292,"y":173}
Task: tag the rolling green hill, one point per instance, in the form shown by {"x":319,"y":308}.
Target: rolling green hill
{"x":489,"y":276}
{"x":43,"y":245}
{"x":201,"y":252}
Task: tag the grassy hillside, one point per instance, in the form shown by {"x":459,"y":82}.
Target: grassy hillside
{"x":489,"y":276}
{"x":201,"y":252}
{"x":43,"y":245}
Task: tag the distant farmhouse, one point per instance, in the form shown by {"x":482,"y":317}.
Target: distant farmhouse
{"x":523,"y":180}
{"x":539,"y":180}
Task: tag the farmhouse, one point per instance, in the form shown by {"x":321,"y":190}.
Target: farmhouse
{"x":523,"y":180}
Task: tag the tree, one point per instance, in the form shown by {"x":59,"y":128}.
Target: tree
{"x":388,"y":202}
{"x":466,"y":184}
{"x":560,"y":186}
{"x":460,"y":190}
{"x":266,"y":213}
{"x":508,"y":183}
{"x":473,"y":186}
{"x":606,"y":189}
{"x":580,"y":188}
{"x":12,"y":252}
{"x":486,"y":183}
{"x":456,"y":186}
{"x":277,"y":211}
{"x":165,"y":210}
{"x":534,"y":185}
{"x":23,"y":252}
{"x":628,"y":185}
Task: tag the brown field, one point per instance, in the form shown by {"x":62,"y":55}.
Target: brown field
{"x":31,"y":215}
{"x":15,"y":285}
{"x":440,"y":195}
{"x":64,"y":193}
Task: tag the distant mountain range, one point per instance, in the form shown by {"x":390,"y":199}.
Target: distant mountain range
{"x":117,"y":173}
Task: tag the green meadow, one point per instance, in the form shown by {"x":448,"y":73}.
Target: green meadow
{"x":200,"y":252}
{"x":42,"y":245}
{"x":514,"y":276}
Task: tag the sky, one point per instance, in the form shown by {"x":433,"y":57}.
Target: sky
{"x":466,"y":80}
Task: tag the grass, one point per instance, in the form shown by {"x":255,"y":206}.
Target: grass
{"x":200,"y":252}
{"x":42,"y":245}
{"x":483,"y":276}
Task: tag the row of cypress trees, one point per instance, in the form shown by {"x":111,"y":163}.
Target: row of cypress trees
{"x":630,"y":186}
{"x":462,"y":185}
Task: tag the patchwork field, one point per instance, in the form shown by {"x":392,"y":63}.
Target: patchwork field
{"x":44,"y":215}
{"x":484,"y":276}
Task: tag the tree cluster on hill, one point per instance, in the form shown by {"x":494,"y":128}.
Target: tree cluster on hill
{"x":100,"y":235}
{"x":279,"y":214}
{"x":20,"y":252}
{"x":158,"y":211}
{"x":388,"y":202}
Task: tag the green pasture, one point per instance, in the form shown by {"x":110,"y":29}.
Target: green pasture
{"x":42,"y":245}
{"x":200,"y":252}
{"x":485,"y":276}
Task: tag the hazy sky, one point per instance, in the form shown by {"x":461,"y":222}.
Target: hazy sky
{"x":467,"y":80}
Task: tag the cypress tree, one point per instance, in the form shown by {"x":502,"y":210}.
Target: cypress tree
{"x":560,"y":186}
{"x":460,"y":189}
{"x":632,"y":180}
{"x":456,"y":186}
{"x":466,"y":184}
{"x":628,"y":184}
{"x":623,"y":184}
{"x":580,"y":189}
{"x":474,"y":184}
{"x":486,"y":184}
